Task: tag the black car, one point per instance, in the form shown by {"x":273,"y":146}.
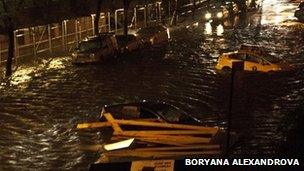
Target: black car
{"x":150,"y":110}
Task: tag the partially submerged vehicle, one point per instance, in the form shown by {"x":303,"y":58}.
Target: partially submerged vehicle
{"x":152,"y":131}
{"x":105,"y":47}
{"x":220,"y":10}
{"x":95,"y":49}
{"x":154,"y":35}
{"x":255,"y":59}
{"x":161,"y":111}
{"x":128,"y":43}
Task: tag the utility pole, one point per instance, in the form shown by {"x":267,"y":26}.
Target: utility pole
{"x":236,"y":66}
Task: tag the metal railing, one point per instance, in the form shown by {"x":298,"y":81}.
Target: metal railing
{"x":63,"y":37}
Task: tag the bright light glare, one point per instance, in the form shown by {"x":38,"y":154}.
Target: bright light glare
{"x":22,"y":75}
{"x":56,"y":64}
{"x":219,"y":15}
{"x":208,"y":28}
{"x":208,"y":15}
{"x":219,"y":30}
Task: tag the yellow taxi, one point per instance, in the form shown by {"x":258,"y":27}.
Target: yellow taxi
{"x":254,"y":60}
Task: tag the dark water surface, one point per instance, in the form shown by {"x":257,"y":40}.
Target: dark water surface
{"x":41,"y":105}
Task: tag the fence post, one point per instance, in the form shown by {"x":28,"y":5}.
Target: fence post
{"x":16,"y":46}
{"x":116,"y":21}
{"x":50,"y":38}
{"x":85,"y":25}
{"x":34,"y":41}
{"x":92,"y":23}
{"x":63,"y":35}
{"x":76,"y":32}
{"x":80,"y":29}
{"x":135,"y":18}
{"x":109,"y":21}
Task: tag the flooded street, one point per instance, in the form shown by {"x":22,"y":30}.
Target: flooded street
{"x":41,"y":105}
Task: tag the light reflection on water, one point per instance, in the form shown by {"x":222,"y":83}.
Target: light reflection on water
{"x":219,"y":30}
{"x":208,"y":28}
{"x":277,"y":11}
{"x":22,"y":75}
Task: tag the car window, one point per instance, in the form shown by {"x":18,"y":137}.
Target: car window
{"x":172,"y":115}
{"x":89,"y":45}
{"x":271,"y":58}
{"x":124,"y":112}
{"x":251,"y":58}
{"x":239,"y":56}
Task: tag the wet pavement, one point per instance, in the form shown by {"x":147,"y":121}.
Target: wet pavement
{"x":41,"y":105}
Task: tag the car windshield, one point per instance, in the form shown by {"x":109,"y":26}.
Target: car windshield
{"x":170,"y":113}
{"x":163,"y":111}
{"x":238,"y":56}
{"x":89,"y":45}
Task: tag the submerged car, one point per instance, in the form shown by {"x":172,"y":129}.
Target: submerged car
{"x":156,"y":35}
{"x":105,"y":47}
{"x":255,"y":59}
{"x":128,"y":43}
{"x":219,"y":10}
{"x":95,"y":49}
{"x":150,"y":110}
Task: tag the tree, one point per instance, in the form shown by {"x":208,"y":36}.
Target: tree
{"x":126,"y":10}
{"x":97,"y":17}
{"x":9,"y":10}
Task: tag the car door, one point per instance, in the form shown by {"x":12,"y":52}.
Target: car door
{"x":252,"y":63}
{"x":264,"y":65}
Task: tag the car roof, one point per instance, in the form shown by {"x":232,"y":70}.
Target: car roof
{"x":151,"y":28}
{"x":97,"y":37}
{"x":154,"y":106}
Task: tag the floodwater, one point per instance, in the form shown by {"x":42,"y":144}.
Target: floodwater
{"x":41,"y":105}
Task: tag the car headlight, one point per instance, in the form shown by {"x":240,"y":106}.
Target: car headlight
{"x":219,"y":14}
{"x":208,"y":15}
